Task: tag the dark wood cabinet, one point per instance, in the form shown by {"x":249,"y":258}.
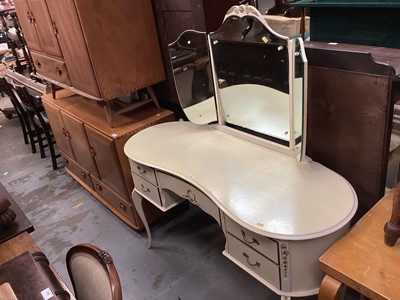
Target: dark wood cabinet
{"x":351,"y":93}
{"x":201,"y":15}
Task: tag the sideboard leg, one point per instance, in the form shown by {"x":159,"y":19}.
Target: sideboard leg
{"x":330,"y":289}
{"x":138,"y":202}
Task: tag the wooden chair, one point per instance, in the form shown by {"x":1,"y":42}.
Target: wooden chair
{"x":28,"y":131}
{"x":93,"y":274}
{"x":39,"y":119}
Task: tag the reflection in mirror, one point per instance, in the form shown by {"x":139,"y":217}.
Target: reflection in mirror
{"x":259,"y":90}
{"x":192,"y":74}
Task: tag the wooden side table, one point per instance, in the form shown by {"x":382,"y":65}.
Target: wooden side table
{"x":362,"y":261}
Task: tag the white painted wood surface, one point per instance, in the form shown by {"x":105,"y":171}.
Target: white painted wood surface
{"x":265,"y":191}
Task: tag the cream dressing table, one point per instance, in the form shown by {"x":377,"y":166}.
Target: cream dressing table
{"x":279,"y":210}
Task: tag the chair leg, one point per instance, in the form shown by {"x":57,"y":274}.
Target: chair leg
{"x":32,"y":135}
{"x":23,"y":128}
{"x":51,"y":147}
{"x":40,"y":142}
{"x":25,"y":133}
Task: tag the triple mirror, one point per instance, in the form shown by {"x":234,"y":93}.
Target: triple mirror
{"x":258,"y":76}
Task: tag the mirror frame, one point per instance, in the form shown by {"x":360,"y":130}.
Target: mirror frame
{"x":244,"y":11}
{"x":198,"y":118}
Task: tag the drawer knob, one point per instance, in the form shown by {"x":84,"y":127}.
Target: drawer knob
{"x":39,"y":65}
{"x":122,"y":206}
{"x":83,"y":175}
{"x":66,"y":161}
{"x":256,"y":264}
{"x":145,"y":189}
{"x":98,"y":187}
{"x":58,"y":71}
{"x":252,"y":241}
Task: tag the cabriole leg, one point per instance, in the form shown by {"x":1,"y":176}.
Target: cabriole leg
{"x":138,"y":202}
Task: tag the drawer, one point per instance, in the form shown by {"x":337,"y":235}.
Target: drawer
{"x":189,"y":192}
{"x":122,"y":206}
{"x":262,"y":244}
{"x":147,"y":189}
{"x":144,"y":171}
{"x":76,"y":169}
{"x":53,"y":68}
{"x":253,"y":260}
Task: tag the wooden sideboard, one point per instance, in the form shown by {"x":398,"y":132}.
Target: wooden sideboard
{"x":362,"y":261}
{"x":100,"y":49}
{"x":93,"y":152}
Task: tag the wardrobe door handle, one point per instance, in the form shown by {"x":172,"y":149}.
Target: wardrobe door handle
{"x":28,"y":15}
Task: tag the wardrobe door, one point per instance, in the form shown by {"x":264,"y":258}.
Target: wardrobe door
{"x":25,"y":19}
{"x":45,"y":28}
{"x":73,"y":44}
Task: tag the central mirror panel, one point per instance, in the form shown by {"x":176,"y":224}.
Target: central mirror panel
{"x":259,"y":78}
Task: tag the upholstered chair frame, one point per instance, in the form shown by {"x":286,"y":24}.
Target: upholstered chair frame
{"x":99,"y":257}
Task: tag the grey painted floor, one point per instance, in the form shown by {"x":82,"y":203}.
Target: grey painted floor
{"x":185,"y":262}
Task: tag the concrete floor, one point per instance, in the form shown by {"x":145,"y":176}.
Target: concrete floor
{"x":186,"y":260}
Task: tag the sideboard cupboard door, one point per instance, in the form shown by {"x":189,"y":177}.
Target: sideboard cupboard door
{"x":73,"y":46}
{"x":44,"y":27}
{"x":26,"y":22}
{"x":84,"y":153}
{"x":58,"y":128}
{"x":106,"y":158}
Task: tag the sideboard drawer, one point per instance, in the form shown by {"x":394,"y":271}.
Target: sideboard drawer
{"x":122,"y":206}
{"x":143,"y":171}
{"x":254,"y":261}
{"x":189,"y":192}
{"x":146,"y":189}
{"x":51,"y":67}
{"x":76,"y":169}
{"x":262,"y":244}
